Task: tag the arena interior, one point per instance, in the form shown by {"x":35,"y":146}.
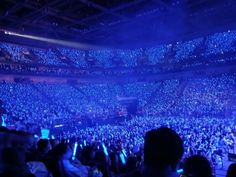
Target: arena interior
{"x":96,"y":75}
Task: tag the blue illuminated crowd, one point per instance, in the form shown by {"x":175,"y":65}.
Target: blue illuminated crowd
{"x":196,"y":50}
{"x":116,"y":150}
{"x":201,"y":110}
{"x":208,"y":136}
{"x":192,"y":97}
{"x":198,"y":112}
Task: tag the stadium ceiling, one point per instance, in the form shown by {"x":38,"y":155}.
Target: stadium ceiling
{"x":116,"y":23}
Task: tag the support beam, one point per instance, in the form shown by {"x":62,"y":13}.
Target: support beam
{"x":41,"y":13}
{"x":106,"y":11}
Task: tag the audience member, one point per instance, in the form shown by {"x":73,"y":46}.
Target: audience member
{"x":163,"y":150}
{"x":231,"y":172}
{"x":197,"y":166}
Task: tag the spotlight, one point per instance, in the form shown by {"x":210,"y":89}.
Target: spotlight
{"x":8,"y":32}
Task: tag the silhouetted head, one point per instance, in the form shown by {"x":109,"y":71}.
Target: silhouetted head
{"x":3,"y":137}
{"x":13,"y":157}
{"x":43,"y":145}
{"x":3,"y":129}
{"x":54,"y":142}
{"x":100,"y":157}
{"x":231,"y":172}
{"x":62,"y":150}
{"x":197,"y":166}
{"x":163,"y":148}
{"x":18,"y":140}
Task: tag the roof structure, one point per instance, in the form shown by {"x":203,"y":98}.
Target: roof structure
{"x":116,"y":23}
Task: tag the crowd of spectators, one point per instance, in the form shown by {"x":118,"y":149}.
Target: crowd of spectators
{"x":200,"y":110}
{"x":74,"y":55}
{"x":47,"y":57}
{"x":208,"y":95}
{"x":129,"y":57}
{"x":212,"y":134}
{"x":167,"y":94}
{"x":209,"y":49}
{"x":185,"y":50}
{"x":102,"y":57}
{"x":208,"y":136}
{"x":144,"y":146}
{"x":219,"y":43}
{"x":21,"y":99}
{"x":12,"y":68}
{"x":195,"y":96}
{"x":156,"y":55}
{"x":16,"y":52}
